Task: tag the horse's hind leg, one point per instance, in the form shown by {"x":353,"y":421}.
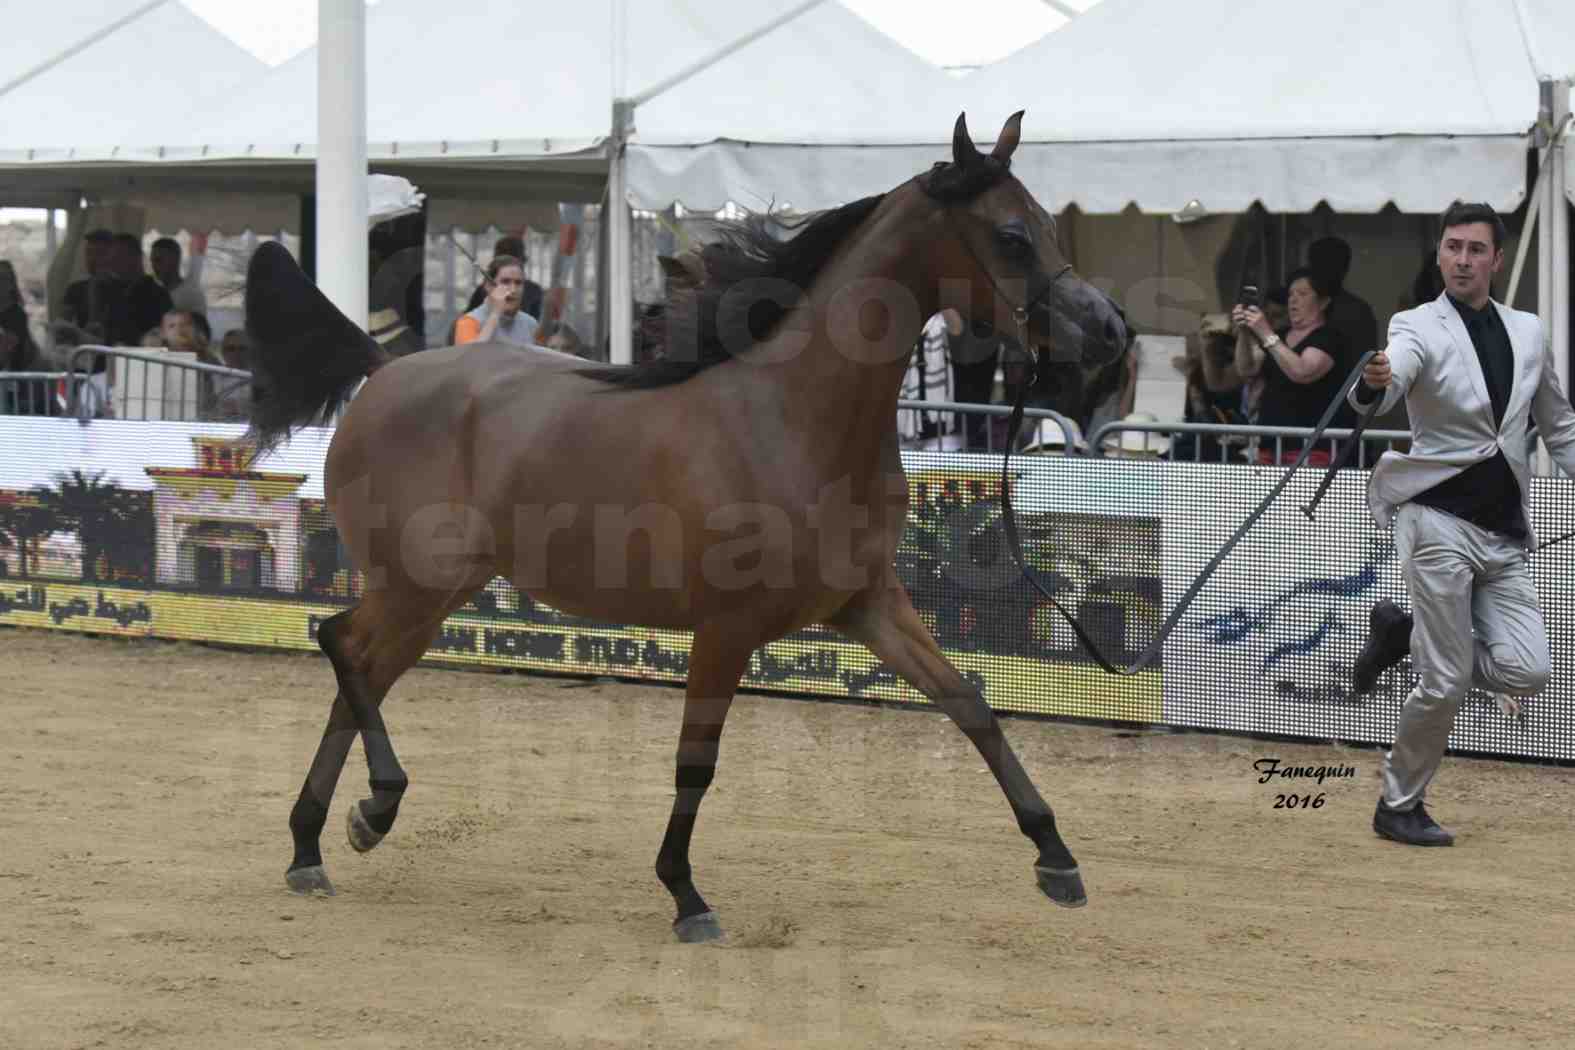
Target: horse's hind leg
{"x":369,"y":646}
{"x":716,"y":663}
{"x":884,"y":620}
{"x":306,"y":873}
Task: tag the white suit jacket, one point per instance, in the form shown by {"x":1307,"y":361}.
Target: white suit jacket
{"x":1436,"y":369}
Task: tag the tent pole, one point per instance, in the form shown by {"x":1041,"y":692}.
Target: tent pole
{"x":1526,"y":232}
{"x":1556,"y":223}
{"x":1553,"y":257}
{"x":450,"y":284}
{"x":342,"y":204}
{"x":620,"y":259}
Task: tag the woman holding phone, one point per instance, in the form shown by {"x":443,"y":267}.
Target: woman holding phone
{"x":1301,"y":366}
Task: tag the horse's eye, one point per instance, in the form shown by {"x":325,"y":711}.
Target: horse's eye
{"x":1014,"y":238}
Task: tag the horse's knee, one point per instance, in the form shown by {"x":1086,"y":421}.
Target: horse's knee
{"x":332,"y":635}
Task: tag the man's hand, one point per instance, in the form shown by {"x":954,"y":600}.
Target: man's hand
{"x":1376,"y":373}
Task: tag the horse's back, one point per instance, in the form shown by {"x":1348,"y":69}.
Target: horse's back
{"x":414,"y":416}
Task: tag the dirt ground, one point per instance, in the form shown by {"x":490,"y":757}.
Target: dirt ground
{"x":875,"y":889}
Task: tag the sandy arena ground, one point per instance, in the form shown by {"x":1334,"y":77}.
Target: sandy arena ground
{"x":875,"y":889}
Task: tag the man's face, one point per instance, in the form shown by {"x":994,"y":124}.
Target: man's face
{"x":1467,"y":260}
{"x":127,"y":262}
{"x":94,"y":253}
{"x":166,"y":264}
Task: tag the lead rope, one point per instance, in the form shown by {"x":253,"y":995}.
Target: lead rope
{"x":1150,"y":654}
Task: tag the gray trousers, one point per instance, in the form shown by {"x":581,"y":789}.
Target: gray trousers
{"x":1476,"y":622}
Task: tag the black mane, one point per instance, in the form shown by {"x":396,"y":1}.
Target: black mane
{"x":695,"y":329}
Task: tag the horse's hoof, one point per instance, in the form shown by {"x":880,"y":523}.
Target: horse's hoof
{"x":1064,"y":887}
{"x":699,"y":929}
{"x":362,"y":836}
{"x":309,"y":881}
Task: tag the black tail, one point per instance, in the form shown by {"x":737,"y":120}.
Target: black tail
{"x":306,"y":356}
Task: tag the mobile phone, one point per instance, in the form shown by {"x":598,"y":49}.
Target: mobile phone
{"x":1249,"y":295}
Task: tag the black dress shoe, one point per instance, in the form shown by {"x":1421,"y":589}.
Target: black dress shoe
{"x":1411,"y":826}
{"x":1388,"y":642}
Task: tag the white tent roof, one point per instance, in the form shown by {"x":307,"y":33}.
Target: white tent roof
{"x":496,"y":101}
{"x":815,"y":93}
{"x":1353,"y":102}
{"x":150,"y":68}
{"x":521,"y":79}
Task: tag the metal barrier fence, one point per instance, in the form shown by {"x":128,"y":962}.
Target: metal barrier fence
{"x":1223,"y":443}
{"x":153,"y":383}
{"x":1039,"y":426}
{"x":1210,"y":442}
{"x":32,"y":393}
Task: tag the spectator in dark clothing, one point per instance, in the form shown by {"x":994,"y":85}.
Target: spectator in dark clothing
{"x":975,"y":352}
{"x":1213,"y":391}
{"x":88,"y":302}
{"x":18,"y":352}
{"x":1302,"y":366}
{"x":145,"y":301}
{"x":530,"y":301}
{"x":1429,"y":283}
{"x":1330,"y":259}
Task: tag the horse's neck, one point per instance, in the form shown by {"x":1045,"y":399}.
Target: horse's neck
{"x":847,"y":370}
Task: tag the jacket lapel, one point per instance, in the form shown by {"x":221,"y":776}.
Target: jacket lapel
{"x":1525,"y":357}
{"x":1466,"y":353}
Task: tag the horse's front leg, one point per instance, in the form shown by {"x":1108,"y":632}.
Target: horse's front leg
{"x":885,"y":620}
{"x":717,"y":660}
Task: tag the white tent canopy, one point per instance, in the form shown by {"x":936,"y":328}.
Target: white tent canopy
{"x":148,"y":68}
{"x":815,"y":93}
{"x":485,"y":137}
{"x":1356,"y":102}
{"x":1359,"y":103}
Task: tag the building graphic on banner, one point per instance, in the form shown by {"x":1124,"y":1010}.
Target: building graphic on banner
{"x":221,"y":526}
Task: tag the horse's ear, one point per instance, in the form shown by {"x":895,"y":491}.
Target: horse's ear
{"x":683,"y":271}
{"x":1011,"y":132}
{"x":964,"y":152}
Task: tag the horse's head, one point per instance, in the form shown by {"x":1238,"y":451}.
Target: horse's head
{"x":1002,"y":261}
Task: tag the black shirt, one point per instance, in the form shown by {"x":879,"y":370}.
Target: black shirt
{"x":1485,"y":494}
{"x":1287,"y":403}
{"x":1353,"y":318}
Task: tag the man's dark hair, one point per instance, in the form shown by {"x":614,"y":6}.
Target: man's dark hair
{"x":1330,"y":257}
{"x":129,"y":241}
{"x":1318,"y":281}
{"x":99,"y":236}
{"x":166,"y":244}
{"x":1462,"y":214}
{"x":510,"y":245}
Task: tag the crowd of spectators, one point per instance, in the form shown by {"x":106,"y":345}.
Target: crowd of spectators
{"x":1275,"y":358}
{"x":125,"y":299}
{"x":117,"y":303}
{"x":1278,"y":358}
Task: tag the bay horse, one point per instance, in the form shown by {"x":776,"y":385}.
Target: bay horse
{"x":744,"y":485}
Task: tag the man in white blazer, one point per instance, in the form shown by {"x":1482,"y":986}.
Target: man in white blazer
{"x":1472,"y":372}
